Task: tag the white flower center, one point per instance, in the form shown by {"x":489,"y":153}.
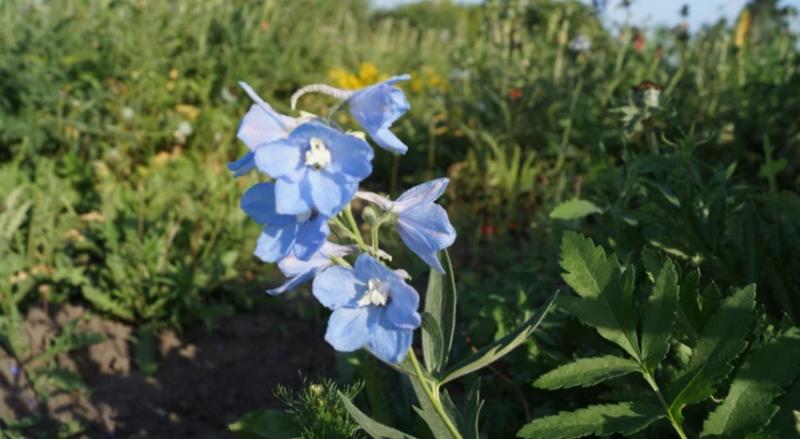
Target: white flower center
{"x":318,"y":156}
{"x":377,"y":294}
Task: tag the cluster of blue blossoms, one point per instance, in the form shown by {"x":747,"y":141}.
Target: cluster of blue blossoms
{"x":314,"y":172}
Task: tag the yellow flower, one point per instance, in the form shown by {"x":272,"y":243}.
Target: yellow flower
{"x":190,"y":111}
{"x":742,"y":28}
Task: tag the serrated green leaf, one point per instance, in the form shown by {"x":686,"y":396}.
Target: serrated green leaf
{"x":721,"y":341}
{"x":786,"y":423}
{"x":602,"y":420}
{"x":586,"y":372}
{"x":659,"y":316}
{"x":606,"y":292}
{"x":105,"y":302}
{"x":373,"y":428}
{"x":499,"y":348}
{"x":266,"y":424}
{"x":574,"y":209}
{"x":440,"y":305}
{"x":588,"y":270}
{"x":748,"y":406}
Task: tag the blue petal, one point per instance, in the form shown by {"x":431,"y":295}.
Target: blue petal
{"x":388,"y":342}
{"x":291,"y":265}
{"x":292,"y":198}
{"x":351,"y":156}
{"x":387,"y":140}
{"x":349,"y":329}
{"x":260,"y":126}
{"x":367,"y":267}
{"x":377,"y":107}
{"x":259,"y":203}
{"x":281,"y":159}
{"x":294,"y":282}
{"x":424,"y":193}
{"x":275,"y":241}
{"x":402,"y":308}
{"x":288,"y":123}
{"x":330,"y":192}
{"x":426,"y":230}
{"x":337,"y":287}
{"x":243,"y":165}
{"x":310,"y":237}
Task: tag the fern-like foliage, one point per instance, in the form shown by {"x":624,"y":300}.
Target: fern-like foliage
{"x":712,"y":331}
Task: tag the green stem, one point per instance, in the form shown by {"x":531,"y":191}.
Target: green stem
{"x":653,"y":385}
{"x":433,"y":396}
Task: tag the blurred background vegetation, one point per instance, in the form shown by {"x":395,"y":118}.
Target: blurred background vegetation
{"x":117,"y":119}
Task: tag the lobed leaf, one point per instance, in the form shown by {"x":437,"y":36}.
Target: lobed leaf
{"x":659,"y":316}
{"x":586,"y":372}
{"x":721,"y":341}
{"x":606,"y":292}
{"x":602,"y":420}
{"x":749,"y":404}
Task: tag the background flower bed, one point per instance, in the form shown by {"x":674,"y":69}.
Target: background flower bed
{"x":116,"y":121}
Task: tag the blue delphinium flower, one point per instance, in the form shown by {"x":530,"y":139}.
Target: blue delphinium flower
{"x":299,"y":271}
{"x":372,"y":307}
{"x":304,"y":233}
{"x":260,"y":125}
{"x":377,"y":107}
{"x":422,"y":225}
{"x":316,"y":167}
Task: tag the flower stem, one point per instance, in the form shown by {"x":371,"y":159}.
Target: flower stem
{"x":431,"y":390}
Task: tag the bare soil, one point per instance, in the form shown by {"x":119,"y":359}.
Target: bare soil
{"x":205,"y":379}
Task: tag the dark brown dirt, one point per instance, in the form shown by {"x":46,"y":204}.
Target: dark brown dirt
{"x":205,"y":379}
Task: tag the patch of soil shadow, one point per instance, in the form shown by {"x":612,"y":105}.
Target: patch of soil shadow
{"x":205,"y":379}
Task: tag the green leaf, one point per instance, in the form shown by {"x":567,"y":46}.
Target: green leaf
{"x":574,"y":209}
{"x":499,"y":348}
{"x":606,"y":293}
{"x":144,"y":351}
{"x":748,"y":406}
{"x":786,"y":423}
{"x":266,"y":424}
{"x":721,"y":341}
{"x":588,"y":270}
{"x":373,"y":428}
{"x":105,"y":302}
{"x":586,"y":372}
{"x":440,"y":305}
{"x":428,"y":412}
{"x":659,"y":316}
{"x":432,"y":342}
{"x":472,"y":411}
{"x":602,"y":420}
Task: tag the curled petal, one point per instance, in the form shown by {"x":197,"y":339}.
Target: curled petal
{"x":419,"y":195}
{"x":426,"y":230}
{"x":243,"y":165}
{"x":294,"y":282}
{"x":379,"y":200}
